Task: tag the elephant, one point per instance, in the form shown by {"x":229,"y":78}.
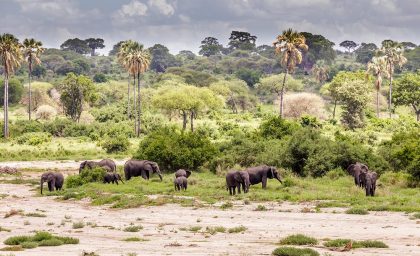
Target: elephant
{"x":112,"y":177}
{"x":180,"y":183}
{"x":234,"y":179}
{"x":261,"y":173}
{"x":107,"y":164}
{"x":182,"y":172}
{"x":355,"y":170}
{"x":143,"y":168}
{"x":370,"y":186}
{"x":55,"y":180}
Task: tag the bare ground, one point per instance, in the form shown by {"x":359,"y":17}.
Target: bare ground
{"x":162,"y":226}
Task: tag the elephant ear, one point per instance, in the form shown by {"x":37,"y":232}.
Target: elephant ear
{"x":188,"y":173}
{"x":237,"y":176}
{"x":270,"y":173}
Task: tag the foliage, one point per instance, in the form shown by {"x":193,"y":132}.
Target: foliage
{"x":100,"y":78}
{"x":115,"y":144}
{"x":95,"y":43}
{"x":356,"y":244}
{"x":173,"y":150}
{"x":75,"y":91}
{"x":236,"y":92}
{"x":76,"y":45}
{"x":192,"y":77}
{"x":348,"y":44}
{"x":242,"y":40}
{"x":41,"y":238}
{"x":300,"y":104}
{"x":407,"y":92}
{"x":34,"y":138}
{"x":86,"y":176}
{"x":210,"y":46}
{"x":45,"y":112}
{"x":15,"y":91}
{"x":298,"y":239}
{"x":274,"y":84}
{"x":251,"y":77}
{"x":277,"y":127}
{"x":320,"y":48}
{"x":365,"y":52}
{"x":292,"y":251}
{"x":161,"y":58}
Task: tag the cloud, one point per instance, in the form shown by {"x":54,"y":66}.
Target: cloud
{"x":134,"y":8}
{"x":162,"y":6}
{"x":50,"y":7}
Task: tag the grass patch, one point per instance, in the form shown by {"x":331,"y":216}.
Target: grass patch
{"x":35,"y":214}
{"x":238,"y":229}
{"x":78,"y":225}
{"x":215,"y":230}
{"x":414,"y":216}
{"x":41,"y":238}
{"x":14,"y":248}
{"x":260,"y":208}
{"x":226,"y":205}
{"x":298,"y":239}
{"x":133,"y":228}
{"x":356,"y":244}
{"x":4,"y":229}
{"x":135,"y":239}
{"x":194,"y":229}
{"x":292,"y":251}
{"x":357,"y":211}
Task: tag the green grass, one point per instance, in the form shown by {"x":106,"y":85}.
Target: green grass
{"x":292,"y":251}
{"x":260,"y":208}
{"x":215,"y":230}
{"x":356,"y":244}
{"x":133,"y":228}
{"x":359,"y":211}
{"x":78,"y":225}
{"x":41,"y":238}
{"x":414,"y":216}
{"x":4,"y":229}
{"x":135,"y":239}
{"x":238,"y":229}
{"x":298,"y":239}
{"x":194,"y":229}
{"x":14,"y":248}
{"x":35,"y":214}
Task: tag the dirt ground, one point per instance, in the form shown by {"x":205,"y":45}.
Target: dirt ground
{"x":162,"y":226}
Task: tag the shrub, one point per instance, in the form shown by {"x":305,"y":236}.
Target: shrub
{"x":74,"y":181}
{"x":45,"y":112}
{"x":78,"y":225}
{"x":15,"y":91}
{"x":115,"y":113}
{"x":95,"y":175}
{"x":133,"y":228}
{"x":16,"y":240}
{"x":215,"y":230}
{"x":29,"y":245}
{"x":356,"y":244}
{"x":34,"y":138}
{"x":115,"y":144}
{"x":51,"y":242}
{"x":299,"y":104}
{"x":357,"y":211}
{"x":299,"y":239}
{"x":238,"y":229}
{"x":100,"y":78}
{"x":174,"y":150}
{"x":57,"y":126}
{"x":277,"y":127}
{"x":292,"y":251}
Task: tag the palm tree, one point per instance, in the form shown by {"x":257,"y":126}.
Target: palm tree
{"x":320,"y":71}
{"x":393,"y":54}
{"x":290,"y":45}
{"x":377,"y":66}
{"x":32,"y":49}
{"x":136,"y":60}
{"x":125,"y":57}
{"x":10,"y":57}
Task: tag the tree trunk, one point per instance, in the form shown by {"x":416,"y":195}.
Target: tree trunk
{"x":6,"y":106}
{"x":282,"y":92}
{"x":128,"y":97}
{"x":335,"y":106}
{"x":390,"y":92}
{"x":417,"y":111}
{"x":184,"y":120}
{"x":92,"y":53}
{"x":139,"y":105}
{"x":377,"y":103}
{"x":30,"y":93}
{"x":192,"y":120}
{"x":134,"y":104}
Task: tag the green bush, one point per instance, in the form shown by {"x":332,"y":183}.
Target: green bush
{"x":15,"y":91}
{"x":115,"y":144}
{"x":298,"y":239}
{"x":115,"y":113}
{"x":51,"y":242}
{"x":29,"y":245}
{"x":173,"y":150}
{"x":277,"y":127}
{"x":56,"y":127}
{"x":292,"y":251}
{"x":100,"y":78}
{"x":34,"y":138}
{"x":356,"y":244}
{"x":41,"y":238}
{"x":95,"y":175}
{"x":74,"y":181}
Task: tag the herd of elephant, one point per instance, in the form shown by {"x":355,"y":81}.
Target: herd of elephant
{"x":363,"y":177}
{"x":234,"y":179}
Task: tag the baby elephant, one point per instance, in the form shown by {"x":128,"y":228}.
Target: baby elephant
{"x":112,"y":177}
{"x":180,"y":183}
{"x":235,"y":179}
{"x":370,"y":183}
{"x":55,"y":180}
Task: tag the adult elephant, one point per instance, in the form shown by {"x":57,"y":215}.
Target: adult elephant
{"x":182,"y":173}
{"x":356,"y":170}
{"x":261,"y":173}
{"x":370,"y":185}
{"x":107,"y":164}
{"x":55,"y":180}
{"x":143,"y":168}
{"x":235,"y":179}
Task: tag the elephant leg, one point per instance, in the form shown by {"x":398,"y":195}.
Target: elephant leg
{"x":144,"y":175}
{"x":116,"y":182}
{"x":264,"y":182}
{"x":239,"y":188}
{"x":230,"y":191}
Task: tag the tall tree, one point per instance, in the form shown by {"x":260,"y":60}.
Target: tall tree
{"x":76,"y":45}
{"x":378,"y":68}
{"x":393,"y":54}
{"x":349,"y":45}
{"x":320,"y":48}
{"x":320,"y":71}
{"x":289,"y":45}
{"x":365,"y":52}
{"x":162,"y":58}
{"x":10,"y":57}
{"x":95,"y":43}
{"x":407,"y":92}
{"x":116,"y":48}
{"x":242,"y":40}
{"x":210,"y":46}
{"x":32,"y":49}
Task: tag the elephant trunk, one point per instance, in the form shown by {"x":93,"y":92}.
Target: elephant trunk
{"x":160,"y":176}
{"x":121,"y":180}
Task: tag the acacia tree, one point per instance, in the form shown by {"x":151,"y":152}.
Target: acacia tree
{"x":407,"y":92}
{"x":378,"y":68}
{"x":75,"y":91}
{"x":393,"y":54}
{"x":187,"y":100}
{"x":95,"y":43}
{"x":32,"y":49}
{"x":289,"y":45}
{"x":76,"y":45}
{"x":242,"y":40}
{"x":349,"y":45}
{"x":10,"y":57}
{"x":210,"y":46}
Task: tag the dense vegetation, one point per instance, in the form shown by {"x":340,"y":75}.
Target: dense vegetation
{"x":219,"y":110}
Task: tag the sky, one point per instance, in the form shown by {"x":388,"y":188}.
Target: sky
{"x":183,"y":24}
